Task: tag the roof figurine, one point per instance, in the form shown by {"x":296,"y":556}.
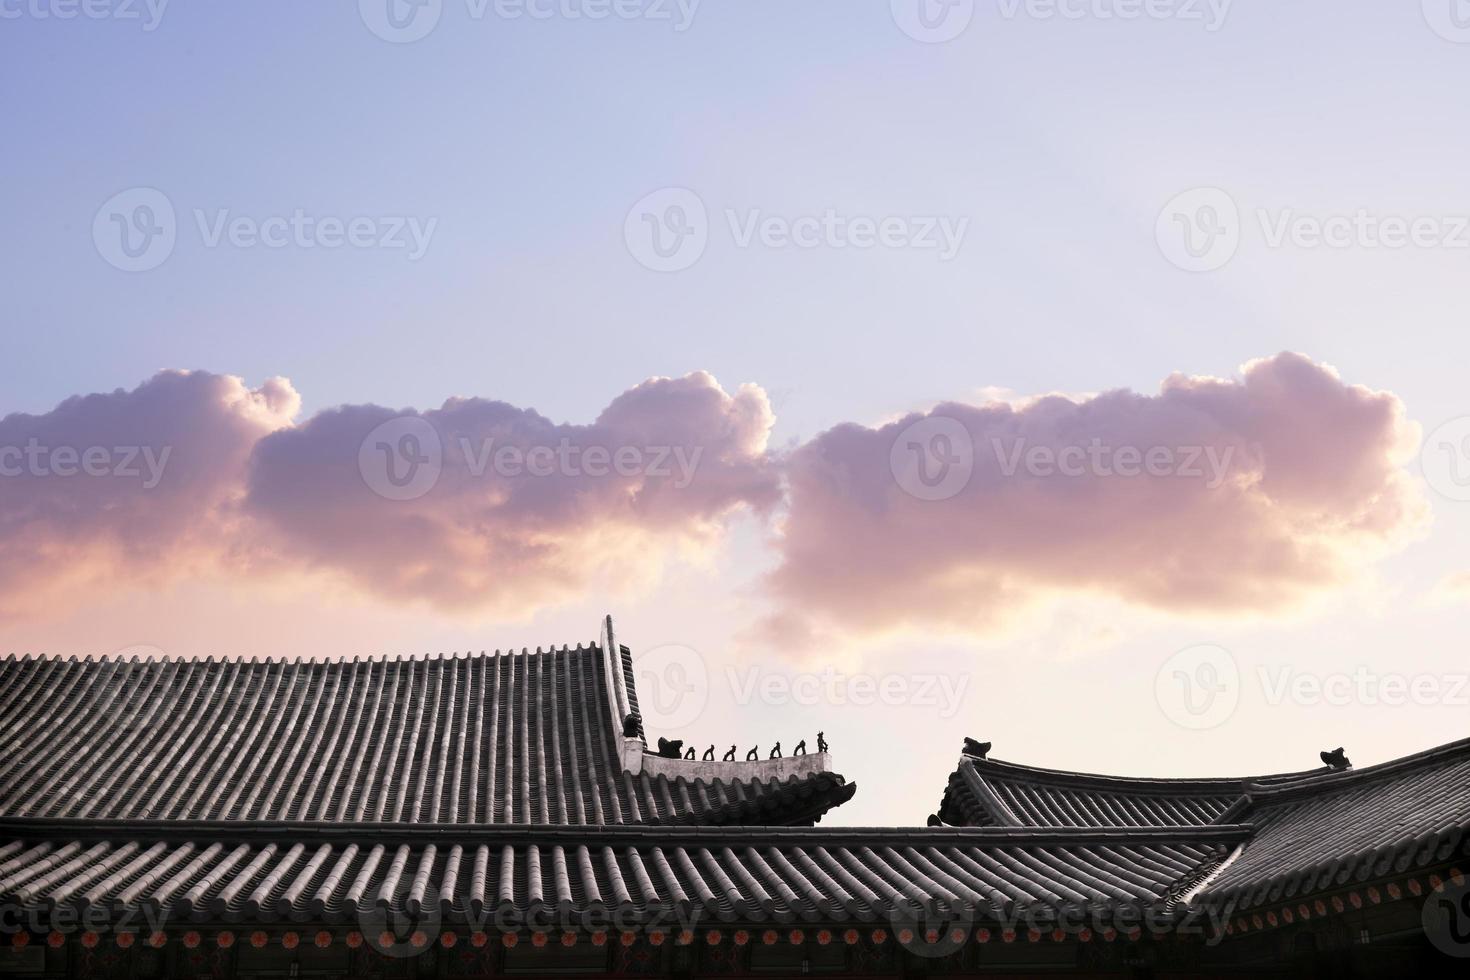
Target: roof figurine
{"x":1336,"y":759}
{"x":978,"y":749}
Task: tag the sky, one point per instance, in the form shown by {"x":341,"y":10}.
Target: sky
{"x":877,"y":297}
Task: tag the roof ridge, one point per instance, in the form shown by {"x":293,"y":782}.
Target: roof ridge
{"x":118,"y":657}
{"x":1332,"y":781}
{"x":562,"y":834}
{"x":1017,"y":772}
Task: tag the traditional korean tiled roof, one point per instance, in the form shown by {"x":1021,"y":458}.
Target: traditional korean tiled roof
{"x":522,"y":738}
{"x":717,"y":875}
{"x":1348,"y":827}
{"x":989,"y":792}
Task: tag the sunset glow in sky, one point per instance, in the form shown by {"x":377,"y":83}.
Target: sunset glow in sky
{"x":1089,"y":383}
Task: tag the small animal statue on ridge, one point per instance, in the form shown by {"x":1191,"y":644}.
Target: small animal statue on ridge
{"x":1337,"y":759}
{"x":709,"y":753}
{"x":689,"y":753}
{"x":800,"y":748}
{"x":978,"y":749}
{"x":776,"y":752}
{"x":934,"y":820}
{"x":630,"y":725}
{"x":753,"y":754}
{"x":821,"y":743}
{"x":730,"y":756}
{"x":671,"y":749}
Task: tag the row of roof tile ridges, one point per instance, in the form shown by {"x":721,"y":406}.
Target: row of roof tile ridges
{"x":479,"y":738}
{"x":751,"y":880}
{"x":1333,"y":829}
{"x":990,"y":792}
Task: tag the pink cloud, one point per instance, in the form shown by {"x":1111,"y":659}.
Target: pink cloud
{"x":513,"y":511}
{"x":479,"y":505}
{"x":128,"y":487}
{"x":1260,"y":494}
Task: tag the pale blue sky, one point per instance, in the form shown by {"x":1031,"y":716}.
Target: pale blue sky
{"x":528,"y":141}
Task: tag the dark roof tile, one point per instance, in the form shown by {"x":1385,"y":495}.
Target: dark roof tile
{"x":989,"y":792}
{"x":765,"y":875}
{"x":477,"y":739}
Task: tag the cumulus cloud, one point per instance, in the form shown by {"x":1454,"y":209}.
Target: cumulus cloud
{"x":1250,"y":495}
{"x":195,"y":473}
{"x":1214,"y":496}
{"x":482,"y":504}
{"x":127,"y":487}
